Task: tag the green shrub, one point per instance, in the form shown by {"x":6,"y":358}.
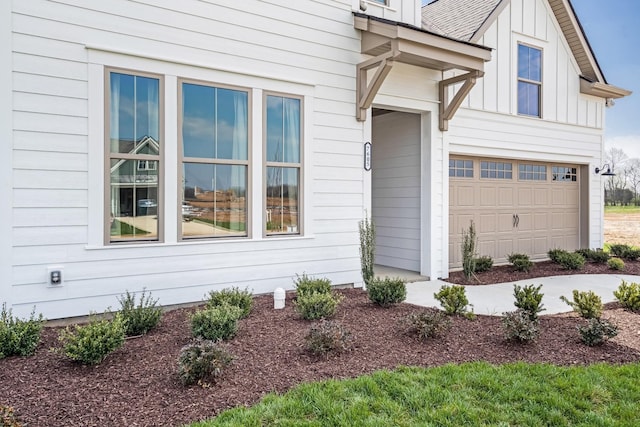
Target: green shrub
{"x":388,"y":291}
{"x":7,"y":417}
{"x":327,"y":336}
{"x":628,"y":294}
{"x":453,"y":299}
{"x":619,"y":249}
{"x":483,"y":263}
{"x":555,"y":254}
{"x":631,"y":254}
{"x":571,"y":261}
{"x":595,"y":255}
{"x":529,"y":299}
{"x":615,"y":264}
{"x":202,"y":360}
{"x":597,"y":331}
{"x":520,"y":326}
{"x":234,"y":297}
{"x":217,"y":323}
{"x":520,"y":262}
{"x":367,"y":232}
{"x":469,"y":243}
{"x":19,"y":337}
{"x":306,"y":285}
{"x":317,"y":305}
{"x":90,"y":344}
{"x":428,"y":323}
{"x":141,"y":318}
{"x":587,"y":304}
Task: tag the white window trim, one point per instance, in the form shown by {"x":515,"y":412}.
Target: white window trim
{"x":103,"y":56}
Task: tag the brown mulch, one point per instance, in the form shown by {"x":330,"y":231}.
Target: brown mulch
{"x":138,"y":385}
{"x":506,"y":273}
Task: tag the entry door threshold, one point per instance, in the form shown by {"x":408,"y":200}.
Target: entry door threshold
{"x":408,"y":275}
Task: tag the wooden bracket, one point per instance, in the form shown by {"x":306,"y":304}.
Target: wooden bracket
{"x":365,"y":93}
{"x":448,"y":109}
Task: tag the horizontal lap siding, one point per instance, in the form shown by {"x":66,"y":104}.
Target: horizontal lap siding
{"x":310,"y":41}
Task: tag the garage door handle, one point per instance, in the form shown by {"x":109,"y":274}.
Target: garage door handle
{"x":517,"y":220}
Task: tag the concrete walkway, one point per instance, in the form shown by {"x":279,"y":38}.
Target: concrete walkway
{"x":496,"y":299}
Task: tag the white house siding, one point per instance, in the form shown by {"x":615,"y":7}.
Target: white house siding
{"x":571,"y":128}
{"x":6,"y":152}
{"x":396,"y":189}
{"x":59,"y":51}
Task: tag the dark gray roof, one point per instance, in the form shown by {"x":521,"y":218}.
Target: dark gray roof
{"x":459,"y":19}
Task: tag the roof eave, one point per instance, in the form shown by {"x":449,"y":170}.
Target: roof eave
{"x":602,"y":90}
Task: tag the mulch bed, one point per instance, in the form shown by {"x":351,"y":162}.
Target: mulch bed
{"x":138,"y":385}
{"x":506,"y":273}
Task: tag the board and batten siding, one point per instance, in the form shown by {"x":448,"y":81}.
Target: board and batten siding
{"x":570,"y":130}
{"x":59,"y":51}
{"x":396,"y":189}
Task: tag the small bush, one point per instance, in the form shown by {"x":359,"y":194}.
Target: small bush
{"x":468,"y":248}
{"x":587,"y":304}
{"x":520,"y":262}
{"x":453,"y":299}
{"x":317,"y":305}
{"x":217,"y":323}
{"x":327,"y":336}
{"x":428,"y":323}
{"x":19,"y":337}
{"x":619,"y":249}
{"x":90,"y":344}
{"x":555,"y":254}
{"x":595,"y":255}
{"x":597,"y":331}
{"x":7,"y":417}
{"x":631,"y":254}
{"x":529,"y":300}
{"x":615,"y":264}
{"x":388,"y":291}
{"x":483,"y":263}
{"x":306,"y":285}
{"x":628,"y":294}
{"x":234,"y":297}
{"x":202,"y":360}
{"x":571,"y":261}
{"x":519,"y":326}
{"x":141,"y":318}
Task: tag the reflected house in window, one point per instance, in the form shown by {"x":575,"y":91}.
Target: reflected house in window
{"x":134,"y":183}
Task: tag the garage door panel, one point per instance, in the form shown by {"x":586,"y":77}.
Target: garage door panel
{"x":524,"y":222}
{"x":540,"y":246}
{"x":505,"y":222}
{"x":540,"y":221}
{"x":488,"y":196}
{"x":505,"y":196}
{"x":525,"y":197}
{"x":465,"y":196}
{"x":541,"y":196}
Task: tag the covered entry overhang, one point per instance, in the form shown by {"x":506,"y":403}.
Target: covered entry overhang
{"x":389,"y":42}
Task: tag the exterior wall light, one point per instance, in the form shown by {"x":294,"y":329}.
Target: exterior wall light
{"x":604,"y":170}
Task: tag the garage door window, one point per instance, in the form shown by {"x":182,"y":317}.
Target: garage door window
{"x":532,"y":172}
{"x":497,"y":170}
{"x":564,"y":174}
{"x":461,"y":168}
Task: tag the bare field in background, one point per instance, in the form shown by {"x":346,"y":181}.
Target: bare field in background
{"x":622,"y":227}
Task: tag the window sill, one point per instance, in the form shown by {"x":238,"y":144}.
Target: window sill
{"x":195,"y":243}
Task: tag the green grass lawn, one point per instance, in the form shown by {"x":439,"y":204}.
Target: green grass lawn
{"x":622,"y":209}
{"x":472,"y":394}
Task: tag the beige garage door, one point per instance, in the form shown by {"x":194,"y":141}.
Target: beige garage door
{"x":517,"y":206}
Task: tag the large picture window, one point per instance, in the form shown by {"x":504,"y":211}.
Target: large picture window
{"x":134,"y":147}
{"x":283,"y":150}
{"x":529,"y":81}
{"x":215,"y":139}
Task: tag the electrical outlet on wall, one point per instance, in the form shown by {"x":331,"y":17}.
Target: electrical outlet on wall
{"x":55,"y":275}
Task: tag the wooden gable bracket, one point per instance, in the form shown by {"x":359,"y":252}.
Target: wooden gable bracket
{"x":365,"y":93}
{"x":448,"y":109}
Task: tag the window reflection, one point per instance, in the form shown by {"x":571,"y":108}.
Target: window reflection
{"x":282,"y":200}
{"x":134,"y":151}
{"x":214,"y":200}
